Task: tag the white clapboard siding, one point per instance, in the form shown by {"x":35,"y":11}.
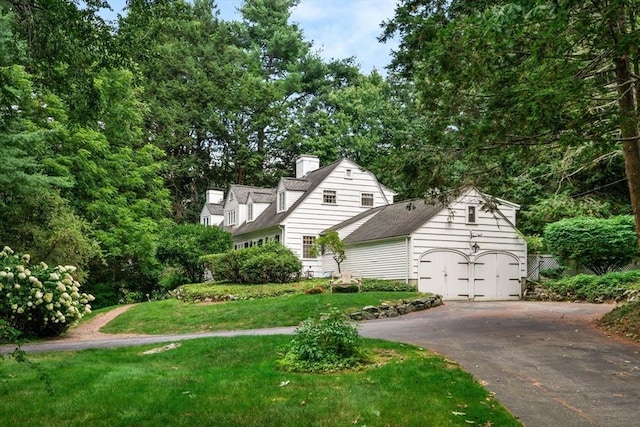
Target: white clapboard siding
{"x":312,"y":216}
{"x":379,"y":260}
{"x":491,"y":232}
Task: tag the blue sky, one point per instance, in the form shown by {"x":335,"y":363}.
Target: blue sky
{"x":338,"y":28}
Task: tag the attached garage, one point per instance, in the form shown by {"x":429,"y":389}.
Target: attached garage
{"x":487,"y":276}
{"x":468,"y":249}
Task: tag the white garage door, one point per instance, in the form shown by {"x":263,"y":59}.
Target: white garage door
{"x":496,"y":277}
{"x":445,"y":273}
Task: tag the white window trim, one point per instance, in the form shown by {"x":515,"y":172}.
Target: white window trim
{"x":313,"y":239}
{"x":335,"y":197}
{"x":250,"y":212}
{"x":282,"y":201}
{"x":372,"y":198}
{"x":470,"y":209}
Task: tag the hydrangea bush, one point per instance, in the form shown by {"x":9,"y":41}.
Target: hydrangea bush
{"x":38,"y":300}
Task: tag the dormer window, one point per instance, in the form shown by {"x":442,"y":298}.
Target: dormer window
{"x":329,"y":197}
{"x":471,"y":214}
{"x":282,"y":201}
{"x":250,"y":212}
{"x":231,"y":218}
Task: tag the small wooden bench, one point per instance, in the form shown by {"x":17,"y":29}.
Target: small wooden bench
{"x":345,"y":280}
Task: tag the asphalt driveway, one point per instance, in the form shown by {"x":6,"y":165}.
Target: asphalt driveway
{"x":546,"y":362}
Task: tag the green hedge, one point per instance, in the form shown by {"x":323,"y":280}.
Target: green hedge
{"x":269,"y":263}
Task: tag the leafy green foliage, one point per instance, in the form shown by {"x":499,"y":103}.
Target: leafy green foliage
{"x":269,"y":263}
{"x":325,"y":343}
{"x":512,"y":98}
{"x":600,"y":245}
{"x":183,"y":245}
{"x":331,"y":242}
{"x":586,"y":287}
{"x":38,"y":300}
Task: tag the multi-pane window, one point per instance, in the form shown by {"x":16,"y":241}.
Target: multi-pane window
{"x":329,"y":197}
{"x":281,"y":201}
{"x":250,"y":212}
{"x":471,"y":214}
{"x":366,"y":199}
{"x":307,"y":244}
{"x":231,"y":218}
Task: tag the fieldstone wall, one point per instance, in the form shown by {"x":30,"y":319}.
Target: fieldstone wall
{"x":384,"y":310}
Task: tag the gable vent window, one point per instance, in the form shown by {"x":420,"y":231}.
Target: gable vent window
{"x":347,"y":173}
{"x":471,"y":214}
{"x":281,"y":201}
{"x":329,"y":197}
{"x":366,"y":199}
{"x":250,"y":212}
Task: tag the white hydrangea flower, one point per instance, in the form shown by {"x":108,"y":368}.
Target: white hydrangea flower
{"x":33,"y":279}
{"x":54,"y":276}
{"x":3,"y":274}
{"x":49,"y":306}
{"x":20,"y":268}
{"x":20,"y":310}
{"x":22,"y":276}
{"x":61,"y":287}
{"x":48,"y":297}
{"x":44,"y":265}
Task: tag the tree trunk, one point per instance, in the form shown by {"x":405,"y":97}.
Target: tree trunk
{"x":627,"y":104}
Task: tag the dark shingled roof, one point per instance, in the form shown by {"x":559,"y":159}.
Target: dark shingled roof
{"x":242,"y":191}
{"x":399,"y":219}
{"x":269,"y":217}
{"x":267,"y":195}
{"x":215,"y":208}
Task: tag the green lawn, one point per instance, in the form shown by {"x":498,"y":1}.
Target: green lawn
{"x":234,"y":382}
{"x":172,"y":316}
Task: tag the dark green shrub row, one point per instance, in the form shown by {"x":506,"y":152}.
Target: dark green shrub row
{"x":585,"y":287}
{"x":269,"y":263}
{"x":379,"y":285}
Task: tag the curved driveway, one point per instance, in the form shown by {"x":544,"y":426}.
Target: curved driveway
{"x":545,"y":361}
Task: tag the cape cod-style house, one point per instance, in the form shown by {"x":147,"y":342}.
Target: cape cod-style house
{"x":298,"y":209}
{"x":461,"y":250}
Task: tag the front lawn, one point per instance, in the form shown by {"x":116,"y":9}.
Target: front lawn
{"x":175,"y":317}
{"x":234,"y":382}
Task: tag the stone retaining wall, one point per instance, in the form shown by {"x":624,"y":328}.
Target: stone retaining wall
{"x":384,"y":310}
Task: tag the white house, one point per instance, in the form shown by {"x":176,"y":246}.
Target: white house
{"x":298,"y":209}
{"x":462,"y":250}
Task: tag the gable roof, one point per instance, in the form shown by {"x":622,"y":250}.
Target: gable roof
{"x":270,"y":217}
{"x":399,"y":219}
{"x":403,"y":218}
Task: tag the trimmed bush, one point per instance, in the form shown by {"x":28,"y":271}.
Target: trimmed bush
{"x":269,"y":263}
{"x":38,"y":301}
{"x":601,"y":245}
